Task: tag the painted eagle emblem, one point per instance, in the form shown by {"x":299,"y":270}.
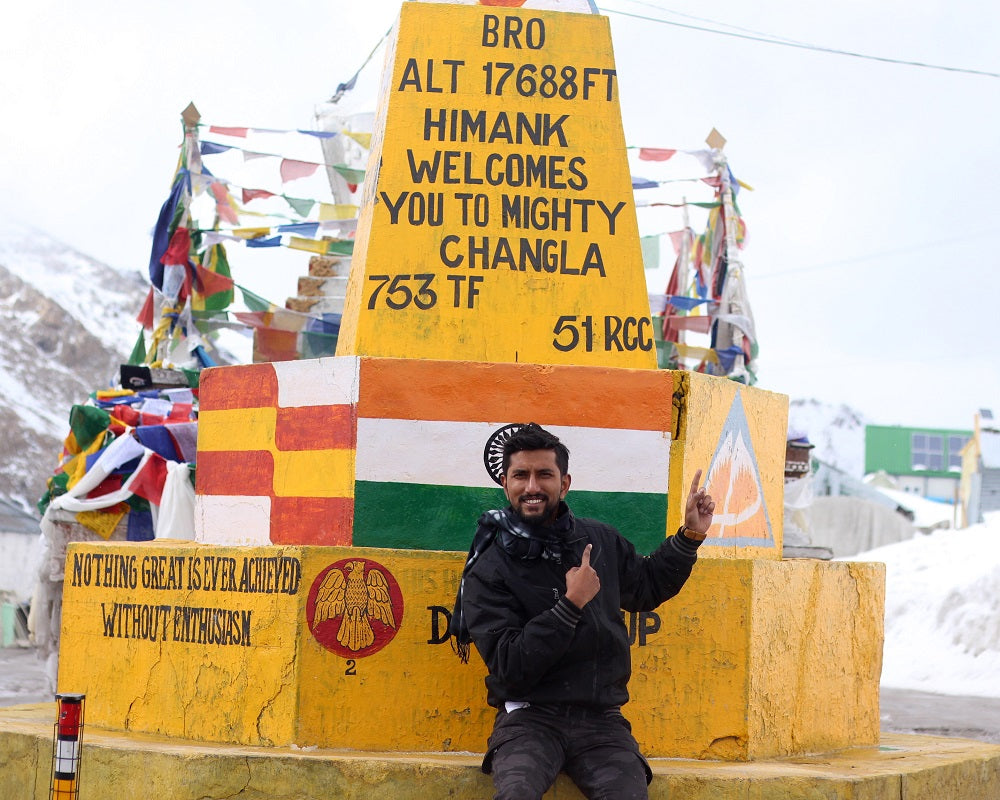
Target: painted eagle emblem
{"x":356,"y":600}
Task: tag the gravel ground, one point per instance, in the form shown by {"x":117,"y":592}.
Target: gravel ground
{"x":22,"y":679}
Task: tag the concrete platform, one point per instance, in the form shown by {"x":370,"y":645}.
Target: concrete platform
{"x":125,"y":766}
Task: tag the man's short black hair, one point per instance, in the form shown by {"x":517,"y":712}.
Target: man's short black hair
{"x":534,"y":437}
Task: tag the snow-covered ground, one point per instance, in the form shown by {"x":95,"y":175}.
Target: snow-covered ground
{"x":942,"y":611}
{"x":927,"y":514}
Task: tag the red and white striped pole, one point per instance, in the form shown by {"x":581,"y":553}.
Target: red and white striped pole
{"x":67,"y":736}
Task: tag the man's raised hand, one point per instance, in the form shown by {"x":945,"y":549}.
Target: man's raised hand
{"x":582,"y":582}
{"x":700,"y":507}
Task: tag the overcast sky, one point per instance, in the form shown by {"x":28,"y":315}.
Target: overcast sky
{"x":871,"y":260}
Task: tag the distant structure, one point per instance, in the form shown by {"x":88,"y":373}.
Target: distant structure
{"x":799,"y":499}
{"x":922,"y":461}
{"x":979,"y":492}
{"x":19,"y":543}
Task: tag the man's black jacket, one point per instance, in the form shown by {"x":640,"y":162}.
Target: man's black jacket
{"x":537,"y":645}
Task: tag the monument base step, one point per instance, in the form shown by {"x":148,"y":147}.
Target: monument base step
{"x":127,"y":766}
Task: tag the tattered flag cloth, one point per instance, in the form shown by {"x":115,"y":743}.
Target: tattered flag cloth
{"x":161,"y":232}
{"x":241,"y":133}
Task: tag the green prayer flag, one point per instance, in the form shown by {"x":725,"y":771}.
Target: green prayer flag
{"x":87,"y":423}
{"x":254,"y":301}
{"x":350,"y":174}
{"x":340,"y":247}
{"x":56,"y":486}
{"x":301,"y":207}
{"x":138,"y":354}
{"x":219,"y":264}
{"x":193,"y":377}
{"x":650,"y":251}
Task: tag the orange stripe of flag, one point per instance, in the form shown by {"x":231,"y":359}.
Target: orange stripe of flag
{"x":599,"y":397}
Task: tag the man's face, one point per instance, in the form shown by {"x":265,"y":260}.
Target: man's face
{"x":534,"y":486}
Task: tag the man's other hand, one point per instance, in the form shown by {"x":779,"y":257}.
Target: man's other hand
{"x":582,"y":582}
{"x":699,"y":509}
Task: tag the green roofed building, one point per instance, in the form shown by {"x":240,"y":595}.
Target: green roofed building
{"x":924,"y":461}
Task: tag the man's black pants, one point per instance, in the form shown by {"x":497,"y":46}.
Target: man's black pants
{"x":529,"y":746}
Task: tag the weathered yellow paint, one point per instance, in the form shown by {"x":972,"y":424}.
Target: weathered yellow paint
{"x":814,"y":617}
{"x":429,"y":284}
{"x":157,"y":683}
{"x":314,"y":473}
{"x":708,"y":411}
{"x":237,"y":429}
{"x":914,"y":767}
{"x":729,"y":669}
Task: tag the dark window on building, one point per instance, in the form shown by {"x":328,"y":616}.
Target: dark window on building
{"x":955,"y":445}
{"x":927,"y":452}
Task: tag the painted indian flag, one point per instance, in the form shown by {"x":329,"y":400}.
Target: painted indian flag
{"x":421,"y":480}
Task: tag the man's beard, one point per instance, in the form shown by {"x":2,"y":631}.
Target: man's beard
{"x":536,"y":520}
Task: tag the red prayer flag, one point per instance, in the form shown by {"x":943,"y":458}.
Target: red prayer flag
{"x":254,"y":319}
{"x":222,"y":207}
{"x":180,"y":412}
{"x":701,"y":324}
{"x":179,"y":248}
{"x":126,"y":414}
{"x":148,"y":480}
{"x":110,"y":484}
{"x":241,"y":132}
{"x":253,"y":194}
{"x":209,"y":282}
{"x":292,"y":170}
{"x":655,"y":154}
{"x":274,"y":345}
{"x":145,"y":317}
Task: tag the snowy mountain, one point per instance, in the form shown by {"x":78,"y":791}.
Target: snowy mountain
{"x":837,"y":431}
{"x":66,"y":324}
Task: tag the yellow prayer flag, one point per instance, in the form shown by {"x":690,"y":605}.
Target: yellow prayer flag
{"x":364,"y":139}
{"x":312,"y":245}
{"x":76,"y":467}
{"x":103,"y":523}
{"x":700,"y":353}
{"x":250,"y":233}
{"x":334,"y":211}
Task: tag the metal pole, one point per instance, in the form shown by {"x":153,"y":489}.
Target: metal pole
{"x":67,"y":736}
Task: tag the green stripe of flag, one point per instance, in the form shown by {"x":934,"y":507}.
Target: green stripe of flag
{"x":414,"y":516}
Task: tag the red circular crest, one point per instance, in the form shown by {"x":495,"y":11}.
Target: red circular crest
{"x":354,"y":608}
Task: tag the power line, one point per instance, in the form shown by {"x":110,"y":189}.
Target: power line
{"x":716,"y":22}
{"x":802,"y":45}
{"x":873,"y":256}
